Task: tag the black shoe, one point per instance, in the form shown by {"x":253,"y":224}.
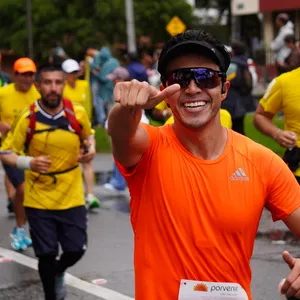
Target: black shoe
{"x":10,"y":206}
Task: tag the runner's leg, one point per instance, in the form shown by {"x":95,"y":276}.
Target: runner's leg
{"x":10,"y":191}
{"x":88,"y":176}
{"x":43,"y":230}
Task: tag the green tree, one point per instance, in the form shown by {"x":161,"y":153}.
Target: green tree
{"x":80,"y":23}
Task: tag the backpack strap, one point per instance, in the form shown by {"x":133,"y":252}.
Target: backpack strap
{"x":70,"y":115}
{"x":31,"y":126}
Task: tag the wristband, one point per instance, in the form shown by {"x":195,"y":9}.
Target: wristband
{"x":23,"y":162}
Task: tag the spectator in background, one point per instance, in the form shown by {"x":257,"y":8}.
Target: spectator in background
{"x":239,"y":96}
{"x":104,"y":95}
{"x":94,"y":65}
{"x":286,"y":27}
{"x":58,"y":54}
{"x":293,"y":60}
{"x":135,"y":68}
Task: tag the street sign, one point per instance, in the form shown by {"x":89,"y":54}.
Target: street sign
{"x":175,"y":26}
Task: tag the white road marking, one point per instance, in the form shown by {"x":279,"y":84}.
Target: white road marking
{"x":71,"y":280}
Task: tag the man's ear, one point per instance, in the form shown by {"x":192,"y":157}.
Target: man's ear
{"x":225,"y":88}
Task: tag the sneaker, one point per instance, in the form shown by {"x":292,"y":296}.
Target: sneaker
{"x":18,"y":242}
{"x":60,"y":288}
{"x":110,"y":187}
{"x":27,"y":240}
{"x":92,"y":202}
{"x":10,"y":206}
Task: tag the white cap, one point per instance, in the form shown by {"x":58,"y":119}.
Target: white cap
{"x":70,"y":65}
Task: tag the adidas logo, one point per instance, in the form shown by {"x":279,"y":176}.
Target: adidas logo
{"x":239,"y":174}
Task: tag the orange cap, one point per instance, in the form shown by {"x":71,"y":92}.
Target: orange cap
{"x":24,"y":64}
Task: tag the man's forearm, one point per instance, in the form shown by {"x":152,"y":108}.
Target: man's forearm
{"x":123,"y":122}
{"x":266,"y":126}
{"x":9,"y":158}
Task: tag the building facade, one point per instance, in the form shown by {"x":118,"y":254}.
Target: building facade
{"x":267,"y":10}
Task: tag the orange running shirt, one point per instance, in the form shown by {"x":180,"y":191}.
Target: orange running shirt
{"x":197,"y":219}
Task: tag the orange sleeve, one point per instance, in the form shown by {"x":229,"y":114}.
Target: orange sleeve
{"x":283,"y":190}
{"x":135,"y":175}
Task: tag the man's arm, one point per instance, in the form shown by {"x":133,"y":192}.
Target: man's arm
{"x":293,"y":222}
{"x":14,"y":143}
{"x":263,"y":122}
{"x":129,"y":139}
{"x":38,"y":164}
{"x":278,"y":42}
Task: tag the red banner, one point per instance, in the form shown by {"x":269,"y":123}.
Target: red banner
{"x":268,"y":5}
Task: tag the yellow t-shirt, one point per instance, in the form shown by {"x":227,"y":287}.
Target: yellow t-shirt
{"x":224,"y":116}
{"x":283,"y":94}
{"x":80,"y":94}
{"x":162,"y":105}
{"x":61,"y":191}
{"x":13,"y":102}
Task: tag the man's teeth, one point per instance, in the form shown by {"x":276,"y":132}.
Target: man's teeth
{"x":194,"y":104}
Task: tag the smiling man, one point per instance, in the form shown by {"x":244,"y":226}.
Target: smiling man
{"x":197,"y":189}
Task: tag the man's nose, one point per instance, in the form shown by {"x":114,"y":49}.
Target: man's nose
{"x":193,"y":88}
{"x":54,"y":86}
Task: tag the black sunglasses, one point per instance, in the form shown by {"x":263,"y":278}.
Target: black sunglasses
{"x":205,"y":78}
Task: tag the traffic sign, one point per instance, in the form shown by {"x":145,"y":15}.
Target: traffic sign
{"x":175,"y":26}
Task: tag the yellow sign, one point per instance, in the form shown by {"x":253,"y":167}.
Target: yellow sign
{"x":175,"y":26}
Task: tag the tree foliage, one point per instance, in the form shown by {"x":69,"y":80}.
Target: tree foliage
{"x":81,"y":23}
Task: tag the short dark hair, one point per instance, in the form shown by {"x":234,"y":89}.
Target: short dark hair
{"x":238,"y":47}
{"x":47,"y":68}
{"x":194,"y":41}
{"x":290,"y":38}
{"x":283,"y":17}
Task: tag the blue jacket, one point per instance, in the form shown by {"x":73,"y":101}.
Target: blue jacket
{"x":107,"y":63}
{"x":137,"y":71}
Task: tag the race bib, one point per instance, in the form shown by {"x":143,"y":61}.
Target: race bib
{"x":202,"y":290}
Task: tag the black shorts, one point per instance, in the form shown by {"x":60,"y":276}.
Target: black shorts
{"x":48,"y":228}
{"x":15,"y":175}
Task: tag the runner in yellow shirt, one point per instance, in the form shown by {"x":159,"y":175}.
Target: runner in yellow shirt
{"x":55,"y":136}
{"x":283,"y":94}
{"x":14,"y":98}
{"x":78,"y":91}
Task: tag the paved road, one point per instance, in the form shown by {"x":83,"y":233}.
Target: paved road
{"x":109,"y":255}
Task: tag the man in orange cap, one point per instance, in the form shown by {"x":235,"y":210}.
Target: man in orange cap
{"x":14,"y":98}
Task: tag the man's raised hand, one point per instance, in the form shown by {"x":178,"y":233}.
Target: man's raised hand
{"x":136,"y":94}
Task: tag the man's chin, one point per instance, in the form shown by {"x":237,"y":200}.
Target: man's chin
{"x":52,"y":103}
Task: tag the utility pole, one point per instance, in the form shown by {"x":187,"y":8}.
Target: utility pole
{"x":236,"y":28}
{"x":130,"y":26}
{"x":29,"y":28}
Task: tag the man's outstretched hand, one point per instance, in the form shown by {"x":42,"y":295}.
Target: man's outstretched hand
{"x":136,"y":94}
